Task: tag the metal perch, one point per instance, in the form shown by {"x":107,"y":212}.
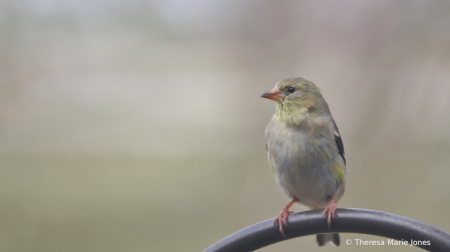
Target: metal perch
{"x":346,"y":221}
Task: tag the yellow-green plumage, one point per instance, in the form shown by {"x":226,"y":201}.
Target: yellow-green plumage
{"x":304,"y":147}
{"x":338,"y":173}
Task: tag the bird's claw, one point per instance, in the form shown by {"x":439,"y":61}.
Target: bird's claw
{"x":282,"y":218}
{"x":330,"y":210}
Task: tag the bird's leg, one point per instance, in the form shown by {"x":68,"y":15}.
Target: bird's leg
{"x":282,"y":217}
{"x":330,"y":210}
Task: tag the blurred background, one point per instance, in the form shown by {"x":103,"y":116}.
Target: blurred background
{"x":138,"y":125}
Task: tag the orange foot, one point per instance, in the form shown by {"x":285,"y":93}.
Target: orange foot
{"x":282,"y":217}
{"x":330,"y":210}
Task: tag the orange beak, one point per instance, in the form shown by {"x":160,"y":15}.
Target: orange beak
{"x":272,"y":95}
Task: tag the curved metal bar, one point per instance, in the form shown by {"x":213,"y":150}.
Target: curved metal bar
{"x":346,"y":221}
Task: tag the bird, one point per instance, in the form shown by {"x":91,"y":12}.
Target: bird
{"x":305,"y":151}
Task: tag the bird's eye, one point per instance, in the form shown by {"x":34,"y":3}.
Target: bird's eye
{"x":291,"y":90}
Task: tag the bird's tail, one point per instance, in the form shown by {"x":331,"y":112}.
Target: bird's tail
{"x":323,"y":239}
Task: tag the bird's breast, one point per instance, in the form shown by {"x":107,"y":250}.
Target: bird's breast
{"x":302,"y":163}
{"x":295,"y":148}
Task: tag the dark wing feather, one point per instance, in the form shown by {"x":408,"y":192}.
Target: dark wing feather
{"x":339,"y":143}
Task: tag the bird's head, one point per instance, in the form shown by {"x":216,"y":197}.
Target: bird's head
{"x":296,"y":99}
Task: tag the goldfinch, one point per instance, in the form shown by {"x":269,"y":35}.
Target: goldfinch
{"x":305,"y":151}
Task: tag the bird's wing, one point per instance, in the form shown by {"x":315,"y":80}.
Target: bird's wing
{"x":339,"y":143}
